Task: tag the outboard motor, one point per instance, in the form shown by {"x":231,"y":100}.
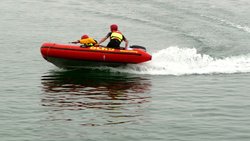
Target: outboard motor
{"x":138,"y":47}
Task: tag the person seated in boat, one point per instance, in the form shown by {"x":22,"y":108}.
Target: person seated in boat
{"x":86,"y":41}
{"x":116,"y":37}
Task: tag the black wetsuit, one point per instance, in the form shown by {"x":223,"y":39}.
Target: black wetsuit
{"x":114,"y":43}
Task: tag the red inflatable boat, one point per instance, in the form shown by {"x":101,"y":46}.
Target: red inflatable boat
{"x":73,"y":56}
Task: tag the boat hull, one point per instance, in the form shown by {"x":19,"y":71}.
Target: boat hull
{"x":73,"y":56}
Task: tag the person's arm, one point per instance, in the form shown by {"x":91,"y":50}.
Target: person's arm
{"x":75,"y":42}
{"x":126,"y":42}
{"x":105,"y":38}
{"x":102,"y":40}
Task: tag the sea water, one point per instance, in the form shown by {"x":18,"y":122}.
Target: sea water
{"x":195,"y":88}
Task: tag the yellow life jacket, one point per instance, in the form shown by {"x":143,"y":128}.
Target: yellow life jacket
{"x":116,"y":35}
{"x":88,"y":42}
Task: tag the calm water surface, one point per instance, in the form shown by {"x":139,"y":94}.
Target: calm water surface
{"x":194,"y":89}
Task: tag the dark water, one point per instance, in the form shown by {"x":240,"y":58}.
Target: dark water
{"x":195,"y":88}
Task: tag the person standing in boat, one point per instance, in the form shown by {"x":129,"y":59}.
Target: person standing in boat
{"x":86,"y":41}
{"x":116,"y":37}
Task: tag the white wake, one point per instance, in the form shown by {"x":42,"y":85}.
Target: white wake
{"x":185,"y":61}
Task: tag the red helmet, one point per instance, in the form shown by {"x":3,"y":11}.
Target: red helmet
{"x":113,"y":27}
{"x":84,"y":36}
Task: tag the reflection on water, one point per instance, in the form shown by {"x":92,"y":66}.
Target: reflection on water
{"x":116,"y":95}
